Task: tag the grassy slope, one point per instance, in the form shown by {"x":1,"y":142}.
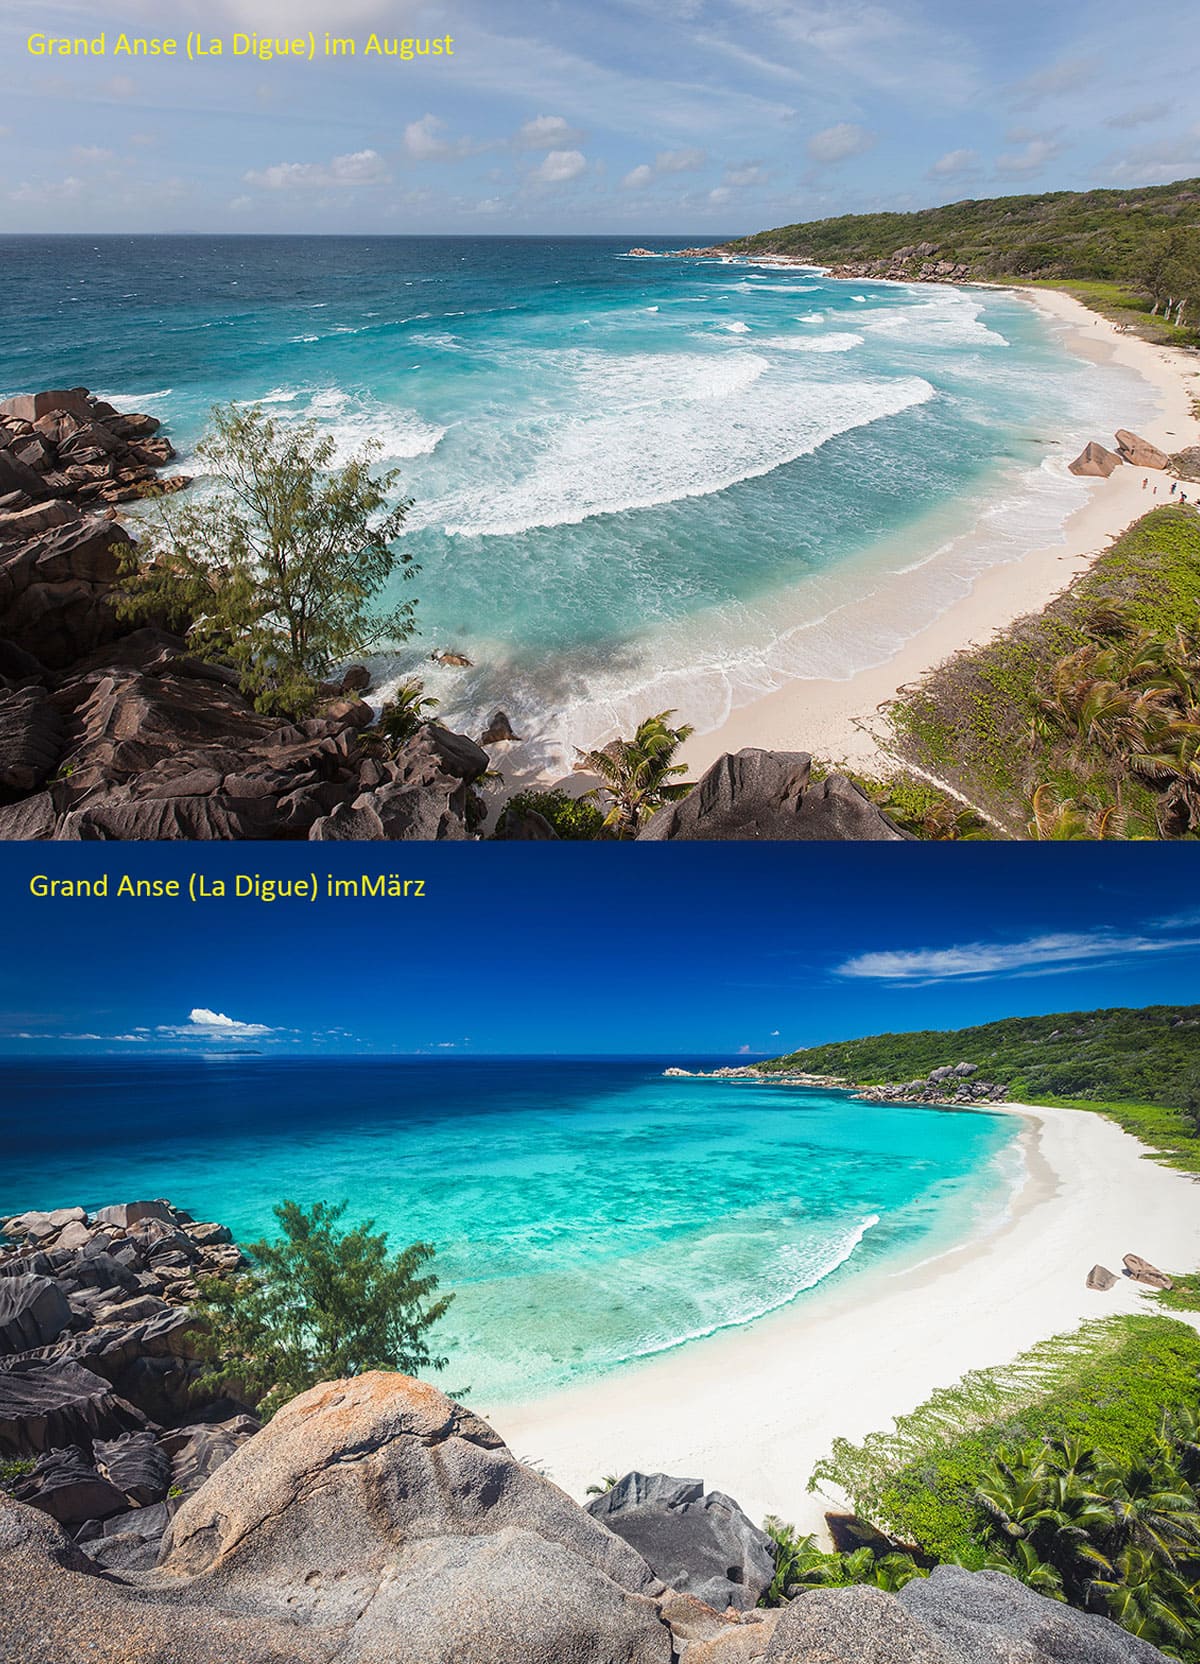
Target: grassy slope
{"x":1108,"y":1384}
{"x":968,"y":721}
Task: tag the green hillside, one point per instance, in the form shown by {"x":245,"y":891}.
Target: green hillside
{"x":1147,"y":1056}
{"x":1087,"y":234}
{"x":1145,"y":242}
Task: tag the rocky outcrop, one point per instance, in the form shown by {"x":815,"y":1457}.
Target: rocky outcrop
{"x":701,"y":1545}
{"x":98,"y":1369}
{"x":948,"y":1084}
{"x":73,"y":447}
{"x":374,"y":1520}
{"x":952,"y":1617}
{"x":1139,"y":452}
{"x":1095,"y":462}
{"x":141,"y":740}
{"x":771,"y":796}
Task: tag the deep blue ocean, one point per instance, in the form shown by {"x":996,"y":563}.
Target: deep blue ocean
{"x":638,"y":484}
{"x":584,"y":1213}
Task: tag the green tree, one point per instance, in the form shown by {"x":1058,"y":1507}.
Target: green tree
{"x":274,"y":565}
{"x":638,"y":776}
{"x":318,"y":1304}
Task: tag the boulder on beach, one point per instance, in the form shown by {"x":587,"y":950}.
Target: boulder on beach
{"x":1095,"y":461}
{"x":701,"y":1545}
{"x":1139,"y":452}
{"x":770,"y":796}
{"x":1100,"y":1277}
{"x":1143,"y":1272}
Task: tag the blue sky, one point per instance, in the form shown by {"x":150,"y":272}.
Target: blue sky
{"x":692,"y":116}
{"x":585,"y":950}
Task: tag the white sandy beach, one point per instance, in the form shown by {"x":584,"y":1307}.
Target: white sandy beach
{"x":832,"y":719}
{"x":751,"y":1411}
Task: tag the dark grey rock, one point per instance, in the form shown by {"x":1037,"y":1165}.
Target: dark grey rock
{"x":51,"y":1404}
{"x":700,"y":1545}
{"x":136,"y":1466}
{"x":65,"y":1485}
{"x":990,"y":1618}
{"x":33,"y":1312}
{"x":769,"y":796}
{"x":862,"y":1625}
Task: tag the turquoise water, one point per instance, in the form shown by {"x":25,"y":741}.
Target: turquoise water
{"x":584,"y":1214}
{"x":638,"y":483}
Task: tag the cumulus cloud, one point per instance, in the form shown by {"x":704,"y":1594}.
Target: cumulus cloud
{"x":680,"y":161}
{"x":561,"y":166}
{"x":216,"y":1022}
{"x":360,"y":167}
{"x":838,"y":144}
{"x":1037,"y":149}
{"x":547,"y":133}
{"x":1036,"y":956}
{"x":955,"y":164}
{"x":745,"y":175}
{"x":666,"y":162}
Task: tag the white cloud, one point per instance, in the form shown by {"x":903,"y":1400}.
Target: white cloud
{"x":954,"y":164}
{"x":680,"y":161}
{"x":638,"y":178}
{"x":1158,"y":163}
{"x":688,"y":160}
{"x":719,"y":195}
{"x":561,"y":166}
{"x":64,"y":190}
{"x":91,"y":153}
{"x":423,"y":141}
{"x":975,"y":961}
{"x":749,"y":173}
{"x":838,"y":144}
{"x":1037,"y":150}
{"x":546,"y":133}
{"x":361,"y":167}
{"x":204,"y":1024}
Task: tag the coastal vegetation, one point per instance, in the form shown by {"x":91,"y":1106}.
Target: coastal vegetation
{"x":275,"y":568}
{"x":638,"y":776}
{"x":1075,"y":1469}
{"x":318,"y":1304}
{"x":1132,"y":252}
{"x":1082,"y":721}
{"x":1147,"y":1054}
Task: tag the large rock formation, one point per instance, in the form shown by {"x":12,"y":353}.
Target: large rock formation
{"x":145,"y":741}
{"x":374,"y":1521}
{"x":952,"y":1617}
{"x":1139,"y":452}
{"x":98,"y":1370}
{"x":1095,"y":462}
{"x":700,"y":1545}
{"x":771,"y":796}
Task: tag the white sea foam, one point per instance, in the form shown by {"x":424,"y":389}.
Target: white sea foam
{"x":647,"y":429}
{"x":352,"y":421}
{"x":791,"y":1270}
{"x":833,"y":342}
{"x":811,"y":318}
{"x":737,"y":328}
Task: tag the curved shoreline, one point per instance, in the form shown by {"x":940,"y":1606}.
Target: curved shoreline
{"x":752,"y":1411}
{"x":832,"y":718}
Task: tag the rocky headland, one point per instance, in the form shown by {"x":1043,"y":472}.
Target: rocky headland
{"x":111,"y":731}
{"x":375,"y":1520}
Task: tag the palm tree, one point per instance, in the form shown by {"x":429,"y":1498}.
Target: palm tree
{"x":638,"y":776}
{"x":1020,"y":1560}
{"x":1152,"y":1509}
{"x":404,"y":713}
{"x":1150,"y":1602}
